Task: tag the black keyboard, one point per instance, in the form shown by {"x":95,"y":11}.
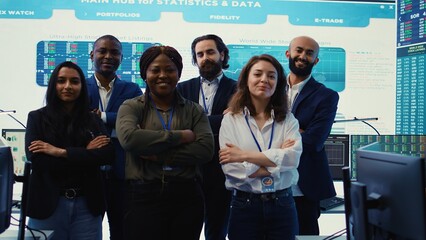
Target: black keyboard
{"x":330,"y":203}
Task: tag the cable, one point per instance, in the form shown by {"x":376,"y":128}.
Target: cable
{"x":12,"y":111}
{"x":32,"y":230}
{"x":363,"y":120}
{"x":371,"y":127}
{"x":336,"y":234}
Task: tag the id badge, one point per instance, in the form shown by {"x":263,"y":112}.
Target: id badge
{"x":268,"y":184}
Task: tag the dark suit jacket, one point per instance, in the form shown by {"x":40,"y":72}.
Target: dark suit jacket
{"x":315,"y":107}
{"x":191,"y":90}
{"x":122,"y":91}
{"x":49,"y":172}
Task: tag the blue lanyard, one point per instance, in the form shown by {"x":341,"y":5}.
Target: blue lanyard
{"x":252,"y":134}
{"x":169,"y":124}
{"x":101,"y":105}
{"x":206,"y":110}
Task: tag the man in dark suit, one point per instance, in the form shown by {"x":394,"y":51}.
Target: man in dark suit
{"x":315,"y":106}
{"x":107,"y":92}
{"x":212,"y":90}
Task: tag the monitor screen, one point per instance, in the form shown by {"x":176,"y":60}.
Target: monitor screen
{"x":412,"y":145}
{"x":15,"y":138}
{"x":388,"y":198}
{"x":337,"y":150}
{"x":6,"y":187}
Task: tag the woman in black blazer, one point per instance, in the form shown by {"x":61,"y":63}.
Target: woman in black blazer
{"x":67,"y":144}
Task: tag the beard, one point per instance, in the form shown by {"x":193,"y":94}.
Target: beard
{"x":300,"y":71}
{"x":210,"y":69}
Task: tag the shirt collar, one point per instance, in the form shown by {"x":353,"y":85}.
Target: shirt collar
{"x":216,"y":80}
{"x":111,"y":84}
{"x":298,"y":86}
{"x":246,"y":113}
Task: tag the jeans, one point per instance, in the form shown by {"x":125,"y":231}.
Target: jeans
{"x":260,"y":217}
{"x":71,"y":220}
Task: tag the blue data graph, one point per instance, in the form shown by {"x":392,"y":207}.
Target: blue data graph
{"x":51,"y":53}
{"x":330,"y":70}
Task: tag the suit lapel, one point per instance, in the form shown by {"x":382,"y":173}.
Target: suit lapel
{"x":195,"y":95}
{"x":93,"y":89}
{"x":307,"y":90}
{"x":116,"y":91}
{"x":220,"y":96}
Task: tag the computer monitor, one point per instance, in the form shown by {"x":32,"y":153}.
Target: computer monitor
{"x":337,"y":150}
{"x":6,"y":187}
{"x":15,"y":138}
{"x":413,"y":145}
{"x":388,"y":198}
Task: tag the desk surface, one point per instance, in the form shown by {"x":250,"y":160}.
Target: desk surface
{"x":338,"y":209}
{"x":13,"y":234}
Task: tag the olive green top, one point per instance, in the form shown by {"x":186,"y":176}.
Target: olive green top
{"x":141,"y":133}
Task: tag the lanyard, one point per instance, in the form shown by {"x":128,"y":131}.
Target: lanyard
{"x":252,"y":134}
{"x":206,"y":109}
{"x":101,"y":105}
{"x":169,"y":124}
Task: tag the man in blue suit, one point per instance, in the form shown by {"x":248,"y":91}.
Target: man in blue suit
{"x":107,"y":92}
{"x":315,"y":106}
{"x":212,"y":90}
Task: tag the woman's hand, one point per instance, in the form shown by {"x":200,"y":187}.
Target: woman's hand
{"x":288,"y":143}
{"x":39,"y":146}
{"x":98,"y":142}
{"x":230,"y":154}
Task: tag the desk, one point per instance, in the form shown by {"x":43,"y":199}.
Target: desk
{"x":11,"y":234}
{"x":338,"y":209}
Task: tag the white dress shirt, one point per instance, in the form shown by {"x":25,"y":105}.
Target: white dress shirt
{"x":104,"y":96}
{"x":293,"y":91}
{"x":234,"y":129}
{"x":208,"y":90}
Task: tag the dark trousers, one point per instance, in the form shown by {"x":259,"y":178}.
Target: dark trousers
{"x":216,"y":212}
{"x":157,"y":211}
{"x":308,"y":212}
{"x":263,"y":216}
{"x":114,"y":196}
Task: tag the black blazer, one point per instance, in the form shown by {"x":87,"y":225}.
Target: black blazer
{"x":191,"y":90}
{"x":48,"y":171}
{"x":315,"y":108}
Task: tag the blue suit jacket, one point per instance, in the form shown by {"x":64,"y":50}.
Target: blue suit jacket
{"x":122,"y":91}
{"x":191,"y":90}
{"x":315,"y":107}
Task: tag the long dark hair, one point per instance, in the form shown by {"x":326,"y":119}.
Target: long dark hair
{"x":58,"y":123}
{"x":278,"y":101}
{"x":220,"y":45}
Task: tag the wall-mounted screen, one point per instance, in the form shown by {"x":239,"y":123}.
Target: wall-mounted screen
{"x":357,"y":44}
